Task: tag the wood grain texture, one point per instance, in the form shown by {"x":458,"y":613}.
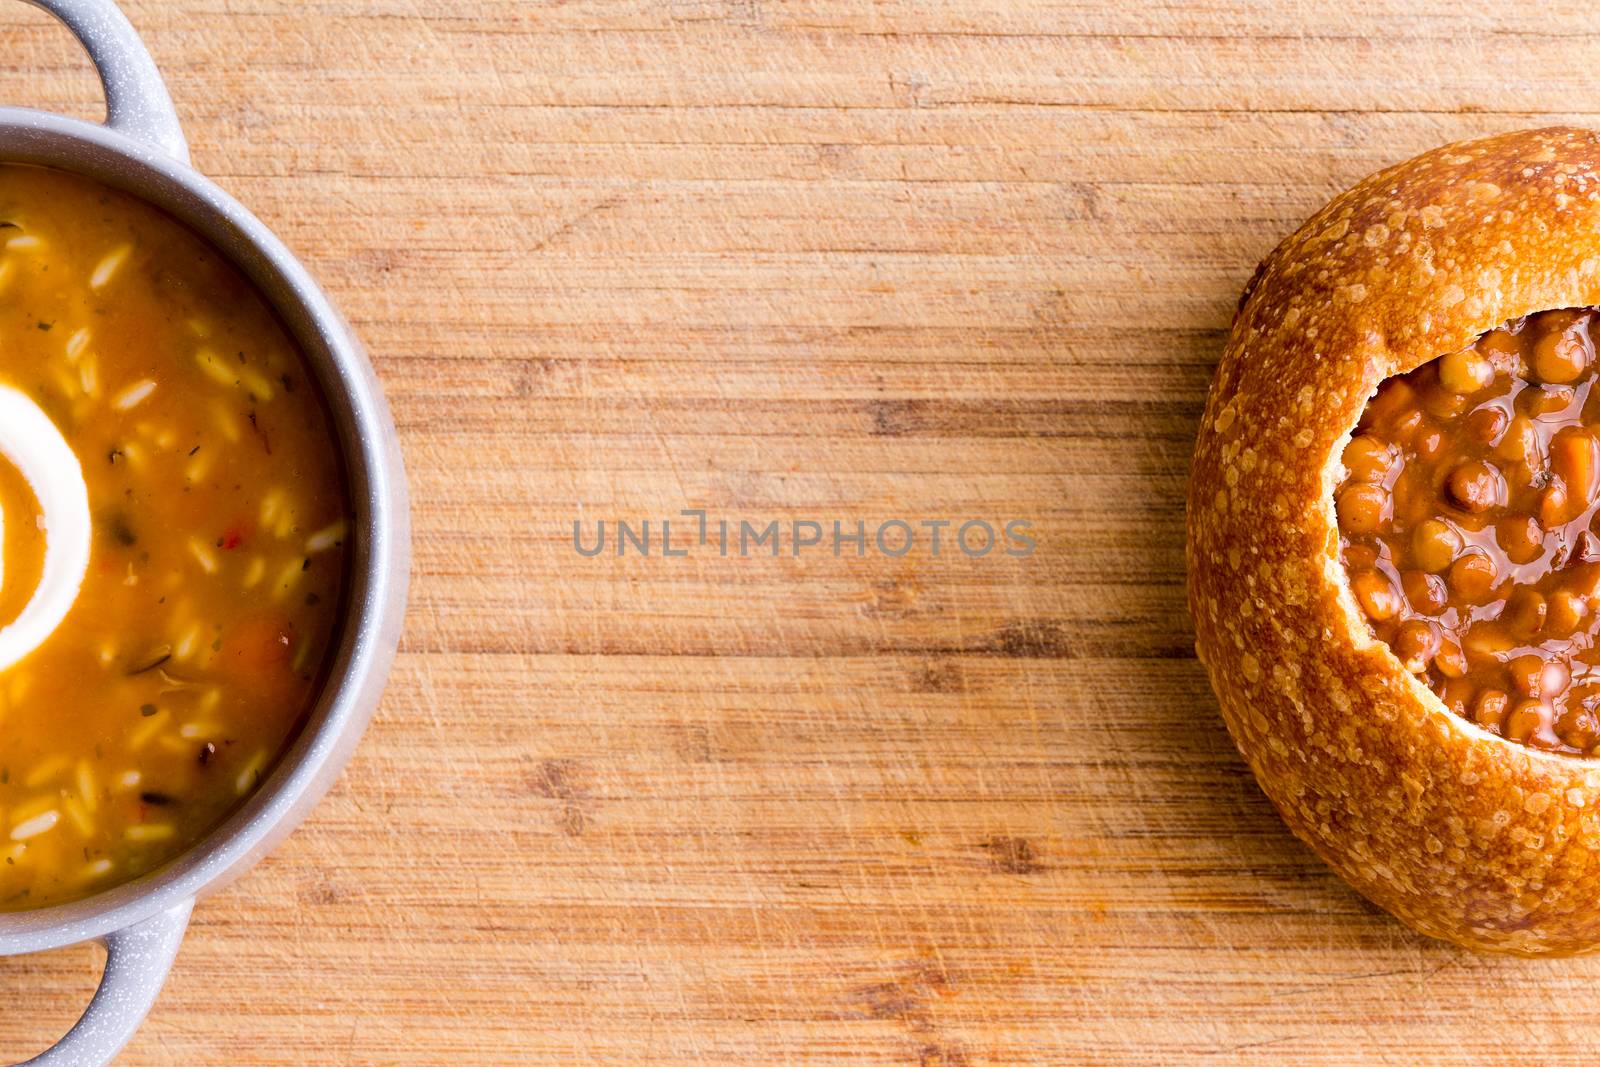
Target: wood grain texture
{"x":831,"y":259}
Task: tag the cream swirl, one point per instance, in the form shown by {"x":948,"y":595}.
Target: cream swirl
{"x":31,"y":442}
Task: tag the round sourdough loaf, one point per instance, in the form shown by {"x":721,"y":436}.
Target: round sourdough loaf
{"x":1459,"y":833}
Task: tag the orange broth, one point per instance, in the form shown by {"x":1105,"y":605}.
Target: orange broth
{"x":205,"y":625}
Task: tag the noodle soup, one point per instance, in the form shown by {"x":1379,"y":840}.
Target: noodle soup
{"x":197,"y":627}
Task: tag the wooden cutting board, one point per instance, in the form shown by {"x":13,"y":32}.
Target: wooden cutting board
{"x":808,"y":260}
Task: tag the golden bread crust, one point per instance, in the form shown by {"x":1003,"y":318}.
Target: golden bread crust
{"x":1461,"y":834}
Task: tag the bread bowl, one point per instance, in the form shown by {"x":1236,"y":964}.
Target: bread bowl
{"x":1471,"y":833}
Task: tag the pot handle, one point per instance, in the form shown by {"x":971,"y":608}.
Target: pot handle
{"x":137,"y":962}
{"x":137,"y":103}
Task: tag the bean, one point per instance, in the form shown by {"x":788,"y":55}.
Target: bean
{"x":1561,"y":357}
{"x":1376,"y":595}
{"x":1520,"y":538}
{"x":1554,"y":508}
{"x":1486,"y":425}
{"x":1466,"y":371}
{"x":1363,"y":507}
{"x":1527,"y":674}
{"x":1471,"y":576}
{"x":1456,"y":694}
{"x":1476,"y":486}
{"x":1545,"y":401}
{"x":1434,"y":545}
{"x":1450,"y":661}
{"x":1504,"y":352}
{"x":1520,"y":444}
{"x":1566,"y":613}
{"x":1489,"y":709}
{"x":1415,"y":644}
{"x":1527,"y":719}
{"x":1368,"y":459}
{"x":1425,"y":592}
{"x":1525,"y":612}
{"x":1578,"y":728}
{"x":1535,"y":676}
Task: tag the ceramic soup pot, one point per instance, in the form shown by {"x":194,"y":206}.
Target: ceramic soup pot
{"x":141,"y":150}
